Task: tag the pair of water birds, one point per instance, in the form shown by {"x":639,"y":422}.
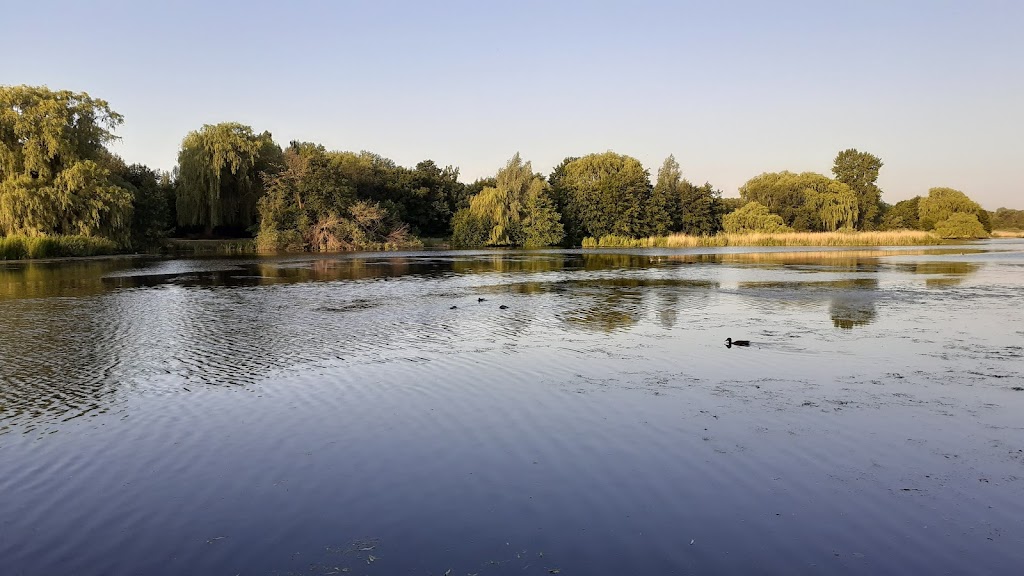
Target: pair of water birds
{"x":729,"y":342}
{"x":502,"y":307}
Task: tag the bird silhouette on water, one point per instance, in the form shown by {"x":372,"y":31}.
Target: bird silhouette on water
{"x":503,"y":307}
{"x":729,"y":342}
{"x":481,"y":299}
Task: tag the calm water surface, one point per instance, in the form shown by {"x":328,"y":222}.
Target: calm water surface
{"x":370,"y":414}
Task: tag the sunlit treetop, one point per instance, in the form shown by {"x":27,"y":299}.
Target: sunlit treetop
{"x":44,"y":131}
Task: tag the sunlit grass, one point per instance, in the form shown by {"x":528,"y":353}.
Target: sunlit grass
{"x":885,"y":238}
{"x":29,"y":247}
{"x":1008,"y":233}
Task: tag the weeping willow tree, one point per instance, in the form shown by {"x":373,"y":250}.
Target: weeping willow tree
{"x":835,"y":203}
{"x":220,"y":175}
{"x":52,"y":175}
{"x":806,"y":201}
{"x":517,"y":211}
{"x":942,"y":203}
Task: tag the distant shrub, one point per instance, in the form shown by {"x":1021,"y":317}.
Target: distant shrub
{"x":754,"y":217}
{"x":961,"y":225}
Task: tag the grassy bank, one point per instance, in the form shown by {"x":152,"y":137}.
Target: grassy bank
{"x":887,"y":238}
{"x":215,"y":247}
{"x":29,"y":247}
{"x":1008,"y":233}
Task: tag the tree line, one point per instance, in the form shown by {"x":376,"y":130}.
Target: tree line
{"x":59,"y":178}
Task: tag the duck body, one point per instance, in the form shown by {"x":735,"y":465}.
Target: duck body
{"x":729,"y":342}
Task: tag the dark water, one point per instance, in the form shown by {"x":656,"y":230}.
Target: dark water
{"x":334,"y":415}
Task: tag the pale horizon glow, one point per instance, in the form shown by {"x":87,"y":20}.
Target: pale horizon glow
{"x":732,"y":89}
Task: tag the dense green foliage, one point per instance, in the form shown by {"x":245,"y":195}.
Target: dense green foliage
{"x":152,"y":200}
{"x":961,"y":225}
{"x":806,"y":201}
{"x":20,"y":247}
{"x":220,"y":175}
{"x":311,"y":205}
{"x":859,"y":171}
{"x":59,"y":180}
{"x":679,"y":206}
{"x":754,"y":217}
{"x":942,"y":203}
{"x":52,"y":175}
{"x":425,"y":197}
{"x":518,"y":210}
{"x":1007,"y":219}
{"x":607,"y":194}
{"x":903,"y":215}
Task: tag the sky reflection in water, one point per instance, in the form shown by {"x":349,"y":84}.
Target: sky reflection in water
{"x":304,"y":414}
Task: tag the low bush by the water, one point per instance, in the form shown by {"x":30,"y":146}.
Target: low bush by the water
{"x":22,"y":247}
{"x":962,"y":226}
{"x":887,"y":238}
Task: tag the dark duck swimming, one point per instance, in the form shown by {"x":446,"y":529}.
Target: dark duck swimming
{"x":729,"y":342}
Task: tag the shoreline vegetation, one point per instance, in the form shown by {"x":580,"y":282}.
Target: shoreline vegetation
{"x":38,"y":247}
{"x":824,"y":239}
{"x":234,"y":190}
{"x":56,"y":247}
{"x":1008,"y":233}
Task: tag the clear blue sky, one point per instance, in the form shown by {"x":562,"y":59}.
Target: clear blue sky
{"x":935,"y":88}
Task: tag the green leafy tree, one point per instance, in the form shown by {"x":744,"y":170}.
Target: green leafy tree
{"x":430,"y":196}
{"x":834,"y":203}
{"x":53,"y":178}
{"x":476,"y":187}
{"x":1007,"y":219}
{"x":941,"y":203}
{"x":542,"y":224}
{"x":806,"y":201}
{"x":561,"y":195}
{"x":220,"y":175}
{"x":425,"y":196}
{"x":665,"y":209}
{"x":310,"y":191}
{"x":754,"y":217}
{"x":701,"y":210}
{"x":903,"y":215}
{"x":731,"y":204}
{"x":961,"y":225}
{"x":517,"y":211}
{"x":607,"y":194}
{"x":469,"y":229}
{"x":859,"y":171}
{"x":783,"y":194}
{"x":151,"y":218}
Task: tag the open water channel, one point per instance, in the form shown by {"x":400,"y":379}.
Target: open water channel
{"x":508,"y":412}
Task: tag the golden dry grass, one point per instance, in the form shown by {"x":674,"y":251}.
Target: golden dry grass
{"x":885,"y":238}
{"x":1008,"y":233}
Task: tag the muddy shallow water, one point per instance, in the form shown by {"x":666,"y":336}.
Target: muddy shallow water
{"x":370,"y":414}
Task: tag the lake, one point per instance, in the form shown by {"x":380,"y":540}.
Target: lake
{"x":516,"y":412}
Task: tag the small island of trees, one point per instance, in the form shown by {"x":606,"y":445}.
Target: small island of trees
{"x":64,"y":193}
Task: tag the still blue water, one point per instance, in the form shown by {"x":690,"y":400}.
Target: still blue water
{"x":381,"y":414}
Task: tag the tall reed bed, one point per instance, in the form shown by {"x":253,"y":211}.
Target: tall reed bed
{"x":1008,"y":233}
{"x":27,"y":247}
{"x":886,"y":238}
{"x":221,"y":247}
